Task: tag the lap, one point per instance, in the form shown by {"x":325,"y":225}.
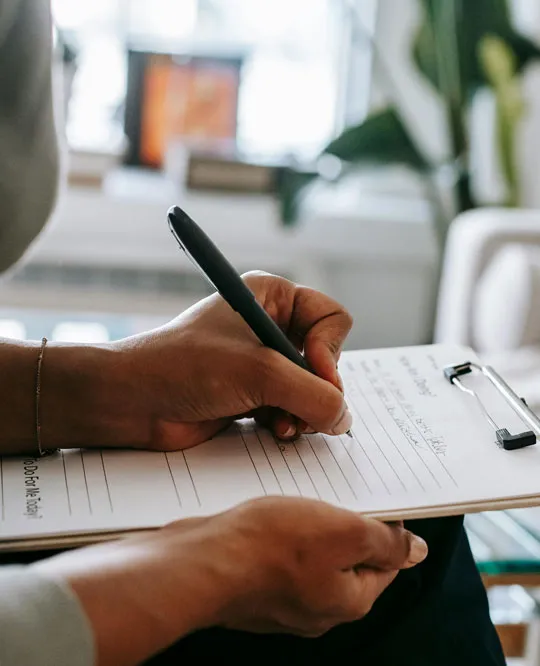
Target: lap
{"x":436,"y":613}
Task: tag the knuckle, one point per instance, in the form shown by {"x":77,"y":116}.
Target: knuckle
{"x":253,"y":278}
{"x":348,"y":319}
{"x":403,"y":543}
{"x":257,"y":280}
{"x":377,"y":540}
{"x":395,"y":550}
{"x":330,"y":405}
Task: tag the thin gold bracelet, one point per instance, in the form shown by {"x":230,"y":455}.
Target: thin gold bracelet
{"x":41,"y":451}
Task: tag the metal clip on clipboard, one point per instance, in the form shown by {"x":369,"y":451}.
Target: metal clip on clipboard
{"x":454,"y":373}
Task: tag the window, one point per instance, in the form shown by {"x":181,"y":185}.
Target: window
{"x":291,"y":95}
{"x":74,"y":326}
{"x":80,"y":331}
{"x":11,"y":328}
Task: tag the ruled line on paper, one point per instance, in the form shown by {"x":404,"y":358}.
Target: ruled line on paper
{"x":106,"y":481}
{"x":390,"y":438}
{"x":415,"y":426}
{"x":192,"y":481}
{"x":269,"y":461}
{"x":252,"y":462}
{"x":86,"y":481}
{"x":173,"y":481}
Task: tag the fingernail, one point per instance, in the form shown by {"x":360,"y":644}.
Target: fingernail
{"x":289,"y":432}
{"x":339,"y":382}
{"x":344,"y":424}
{"x":418,"y":550}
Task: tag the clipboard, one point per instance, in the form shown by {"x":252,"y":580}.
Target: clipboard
{"x":421,"y":448}
{"x":455,"y":373}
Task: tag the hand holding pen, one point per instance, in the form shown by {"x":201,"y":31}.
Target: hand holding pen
{"x":228,"y":283}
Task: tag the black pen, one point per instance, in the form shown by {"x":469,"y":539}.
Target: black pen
{"x":228,"y":283}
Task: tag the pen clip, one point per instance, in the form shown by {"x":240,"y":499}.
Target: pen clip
{"x":192,"y":259}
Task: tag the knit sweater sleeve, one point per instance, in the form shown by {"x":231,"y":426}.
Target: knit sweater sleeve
{"x":41,"y":622}
{"x":29,"y":156}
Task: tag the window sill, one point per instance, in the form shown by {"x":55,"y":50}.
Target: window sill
{"x":373,"y":253}
{"x":123,"y":223}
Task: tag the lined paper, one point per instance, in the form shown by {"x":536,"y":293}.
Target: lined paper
{"x":418,"y":442}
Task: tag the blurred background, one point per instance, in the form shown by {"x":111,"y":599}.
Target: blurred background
{"x":386,"y":152}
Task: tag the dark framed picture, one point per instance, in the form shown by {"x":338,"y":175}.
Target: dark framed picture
{"x":188,"y":98}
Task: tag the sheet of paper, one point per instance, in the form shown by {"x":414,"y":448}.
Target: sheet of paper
{"x":418,"y":442}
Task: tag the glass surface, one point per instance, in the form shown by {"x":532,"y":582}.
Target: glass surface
{"x":500,"y":544}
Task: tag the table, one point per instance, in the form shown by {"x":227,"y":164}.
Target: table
{"x":506,"y":547}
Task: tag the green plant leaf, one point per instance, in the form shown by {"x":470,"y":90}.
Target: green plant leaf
{"x":291,"y":185}
{"x":524,"y":49}
{"x":382,"y":138}
{"x":499,"y":64}
{"x":473,"y":21}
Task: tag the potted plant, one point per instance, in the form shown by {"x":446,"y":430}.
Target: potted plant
{"x":460,"y":47}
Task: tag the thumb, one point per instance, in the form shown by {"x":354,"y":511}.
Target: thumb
{"x":391,"y":547}
{"x":303,"y":394}
{"x":361,"y":542}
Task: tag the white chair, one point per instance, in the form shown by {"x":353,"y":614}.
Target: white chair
{"x":490,"y":293}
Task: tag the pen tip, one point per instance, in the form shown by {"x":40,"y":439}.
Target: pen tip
{"x":349,"y":433}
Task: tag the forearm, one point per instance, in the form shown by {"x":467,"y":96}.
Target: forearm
{"x":88,"y":398}
{"x":136,"y":601}
{"x":17,"y":396}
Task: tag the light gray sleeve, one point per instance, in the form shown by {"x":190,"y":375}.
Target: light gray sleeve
{"x":29,"y":159}
{"x":41,"y":622}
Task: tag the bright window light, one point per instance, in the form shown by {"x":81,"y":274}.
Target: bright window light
{"x":166,"y":19}
{"x":11,"y":328}
{"x":293,"y":68}
{"x":72,"y":14}
{"x":85,"y":332}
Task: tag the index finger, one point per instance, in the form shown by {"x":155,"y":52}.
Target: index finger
{"x":324,"y":324}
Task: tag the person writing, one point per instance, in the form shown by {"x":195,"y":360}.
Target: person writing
{"x":255,"y":583}
{"x":272,"y":565}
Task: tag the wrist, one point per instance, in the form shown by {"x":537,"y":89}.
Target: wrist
{"x":18,"y":393}
{"x":88,"y":399}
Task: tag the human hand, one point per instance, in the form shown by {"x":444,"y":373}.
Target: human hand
{"x":189,"y":379}
{"x":302,"y":566}
{"x":287,"y":565}
{"x":178,"y":385}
